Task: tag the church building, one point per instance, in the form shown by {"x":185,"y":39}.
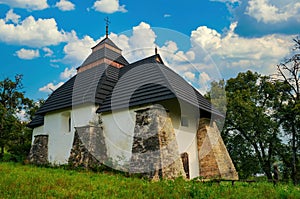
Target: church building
{"x":139,"y":117}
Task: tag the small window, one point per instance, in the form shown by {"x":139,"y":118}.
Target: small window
{"x":69,"y":124}
{"x":184,"y":121}
{"x":66,"y":122}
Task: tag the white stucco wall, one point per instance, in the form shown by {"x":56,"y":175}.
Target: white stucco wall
{"x":56,"y":125}
{"x":187,"y":143}
{"x":118,"y":129}
{"x":119,"y":126}
{"x":186,"y":136}
{"x":37,"y":131}
{"x":59,"y":140}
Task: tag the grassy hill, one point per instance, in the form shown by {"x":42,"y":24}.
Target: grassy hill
{"x":25,"y":181}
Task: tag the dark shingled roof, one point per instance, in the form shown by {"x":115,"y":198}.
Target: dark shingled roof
{"x":89,"y":86}
{"x":107,"y":41}
{"x":61,"y":98}
{"x":105,"y":53}
{"x":38,"y":120}
{"x":148,"y":81}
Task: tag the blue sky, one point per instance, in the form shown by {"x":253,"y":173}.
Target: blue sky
{"x":45,"y":40}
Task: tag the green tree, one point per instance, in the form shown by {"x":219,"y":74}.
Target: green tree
{"x":250,"y":123}
{"x":289,"y":109}
{"x":217,"y":95}
{"x":12,"y":102}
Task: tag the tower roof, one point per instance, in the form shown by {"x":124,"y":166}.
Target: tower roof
{"x":106,"y":52}
{"x":107,"y":41}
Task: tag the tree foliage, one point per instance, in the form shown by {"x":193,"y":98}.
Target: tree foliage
{"x":250,"y":98}
{"x":289,"y":108}
{"x":14,"y":136}
{"x":262,"y":123}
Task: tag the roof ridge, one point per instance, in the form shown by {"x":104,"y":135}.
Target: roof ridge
{"x":149,"y":57}
{"x":107,"y":41}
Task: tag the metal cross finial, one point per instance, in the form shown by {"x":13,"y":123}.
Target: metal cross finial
{"x":106,"y":19}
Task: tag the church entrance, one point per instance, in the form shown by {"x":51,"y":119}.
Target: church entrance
{"x":185,"y":162}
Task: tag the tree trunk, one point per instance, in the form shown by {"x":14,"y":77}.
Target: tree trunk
{"x":294,"y":154}
{"x":267,"y":170}
{"x":265,"y":164}
{"x":2,"y":152}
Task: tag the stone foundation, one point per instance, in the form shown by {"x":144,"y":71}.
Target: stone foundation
{"x":89,"y":149}
{"x":39,"y":150}
{"x":155,"y":150}
{"x":214,"y":160}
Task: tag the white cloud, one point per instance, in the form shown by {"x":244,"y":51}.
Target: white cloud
{"x":231,"y":50}
{"x":204,"y":82}
{"x":65,"y":5}
{"x":68,"y":73}
{"x":273,"y":11}
{"x":32,"y":32}
{"x":77,"y":49}
{"x":11,"y":16}
{"x":27,"y":4}
{"x":109,"y":6}
{"x":189,"y":75}
{"x":28,"y":54}
{"x":136,"y":46}
{"x":173,"y":55}
{"x":206,"y":37}
{"x":140,"y":32}
{"x":204,"y":77}
{"x":49,"y":88}
{"x":22,"y":115}
{"x":48,"y":52}
{"x":167,"y":15}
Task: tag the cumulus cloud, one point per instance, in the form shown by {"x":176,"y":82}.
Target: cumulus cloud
{"x":204,"y":82}
{"x":232,"y":51}
{"x":173,"y":55}
{"x":68,"y":73}
{"x":273,"y":11}
{"x":49,"y":88}
{"x":77,"y":49}
{"x":32,"y":32}
{"x":65,"y":5}
{"x":28,"y":54}
{"x":209,"y":51}
{"x":140,"y":32}
{"x":189,"y":75}
{"x":109,"y":6}
{"x":27,"y":4}
{"x":204,"y":77}
{"x":48,"y":52}
{"x":11,"y":16}
{"x":136,"y":46}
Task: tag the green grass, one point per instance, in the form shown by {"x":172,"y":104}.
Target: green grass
{"x":25,"y":181}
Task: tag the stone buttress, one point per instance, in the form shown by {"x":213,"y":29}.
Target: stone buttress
{"x":39,"y":150}
{"x":89,"y":148}
{"x":155,"y":150}
{"x":214,"y":160}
